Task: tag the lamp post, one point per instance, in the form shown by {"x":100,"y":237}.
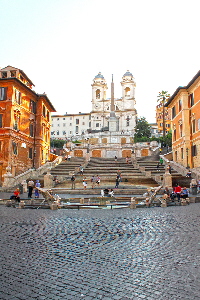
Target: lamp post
{"x":187,"y":151}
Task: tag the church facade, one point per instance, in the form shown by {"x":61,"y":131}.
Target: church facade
{"x":78,"y":126}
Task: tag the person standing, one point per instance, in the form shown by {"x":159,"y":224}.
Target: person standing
{"x":73,"y":182}
{"x":30,"y":188}
{"x":93,"y":181}
{"x":98,"y":179}
{"x":177,"y":191}
{"x":37,"y":185}
{"x":84,"y":183}
{"x":117,"y":182}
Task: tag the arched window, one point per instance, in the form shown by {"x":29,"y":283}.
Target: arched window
{"x":98,"y":94}
{"x":127,"y":91}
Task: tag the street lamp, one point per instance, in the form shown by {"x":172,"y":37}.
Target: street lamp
{"x":187,"y":151}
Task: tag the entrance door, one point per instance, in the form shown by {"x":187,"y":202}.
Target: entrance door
{"x":78,"y":153}
{"x":96,"y":153}
{"x":144,"y":152}
{"x":126,"y":153}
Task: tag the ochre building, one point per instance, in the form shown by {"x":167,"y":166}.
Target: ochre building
{"x":24,"y":123}
{"x":159,"y":119}
{"x":184,"y":106}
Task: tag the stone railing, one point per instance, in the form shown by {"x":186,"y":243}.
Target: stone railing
{"x":11,"y":181}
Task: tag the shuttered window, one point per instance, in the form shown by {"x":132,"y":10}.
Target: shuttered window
{"x":1,"y":119}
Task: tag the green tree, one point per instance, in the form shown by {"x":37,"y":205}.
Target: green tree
{"x":162,"y":99}
{"x":142,"y":130}
{"x":57,"y":143}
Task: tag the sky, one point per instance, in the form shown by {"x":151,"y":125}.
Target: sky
{"x":62,"y":45}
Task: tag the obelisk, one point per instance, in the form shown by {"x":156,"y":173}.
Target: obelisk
{"x":113,"y":121}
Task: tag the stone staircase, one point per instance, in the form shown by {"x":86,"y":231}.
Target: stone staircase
{"x":67,"y":166}
{"x":149,"y":163}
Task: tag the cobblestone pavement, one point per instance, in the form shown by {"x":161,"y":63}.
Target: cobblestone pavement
{"x":100,"y":254}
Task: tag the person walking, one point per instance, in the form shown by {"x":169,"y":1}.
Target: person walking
{"x":161,"y":161}
{"x":120,"y":175}
{"x":81,"y":170}
{"x":158,"y":166}
{"x":37,"y":185}
{"x":98,"y":179}
{"x":30,"y":188}
{"x":73,"y":182}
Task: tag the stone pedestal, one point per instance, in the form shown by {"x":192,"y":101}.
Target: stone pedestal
{"x":8,"y":178}
{"x":167,"y":180}
{"x":48,"y":181}
{"x":24,"y":184}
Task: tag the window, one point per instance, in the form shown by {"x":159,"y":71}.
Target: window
{"x":70,"y":118}
{"x":180,"y":105}
{"x":14,"y":145}
{"x":191,"y":100}
{"x":3,"y":93}
{"x":127,"y":91}
{"x":198,"y":122}
{"x":51,"y":125}
{"x":1,"y":119}
{"x":47,"y":115}
{"x":15,"y":123}
{"x":76,"y":129}
{"x":181,"y":153}
{"x":127,"y":121}
{"x":70,"y":132}
{"x":57,"y":132}
{"x":175,"y":155}
{"x":193,"y":126}
{"x":30,"y":153}
{"x":63,"y":118}
{"x":89,"y":124}
{"x":194,"y":150}
{"x":83,"y":123}
{"x":181,"y":130}
{"x":161,"y":124}
{"x":97,"y":124}
{"x":33,"y":106}
{"x":89,"y":117}
{"x":174,"y":135}
{"x":77,"y":121}
{"x":4,"y":74}
{"x":12,"y":73}
{"x":44,"y":111}
{"x":98,"y":94}
{"x":64,"y":132}
{"x":173,"y":112}
{"x":58,"y":125}
{"x":64,"y":124}
{"x":70,"y":124}
{"x":18,"y":96}
{"x":31,"y":131}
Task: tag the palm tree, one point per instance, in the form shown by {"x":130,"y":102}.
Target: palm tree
{"x":162,"y":98}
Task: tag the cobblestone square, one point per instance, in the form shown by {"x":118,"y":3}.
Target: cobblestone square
{"x":100,"y":254}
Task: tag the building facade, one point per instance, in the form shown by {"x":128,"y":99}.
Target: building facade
{"x":25,"y":118}
{"x":184,"y":106}
{"x":78,"y":125}
{"x":160,"y":110}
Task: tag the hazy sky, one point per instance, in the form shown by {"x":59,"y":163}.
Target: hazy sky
{"x":62,"y":44}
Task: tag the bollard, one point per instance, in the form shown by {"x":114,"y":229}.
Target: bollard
{"x":164,"y":203}
{"x":132,"y":205}
{"x":183,"y":202}
{"x":9,"y":203}
{"x":21,"y":204}
{"x":82,"y":201}
{"x":53,"y":206}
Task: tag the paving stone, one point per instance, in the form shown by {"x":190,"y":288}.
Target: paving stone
{"x":72,"y":254}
